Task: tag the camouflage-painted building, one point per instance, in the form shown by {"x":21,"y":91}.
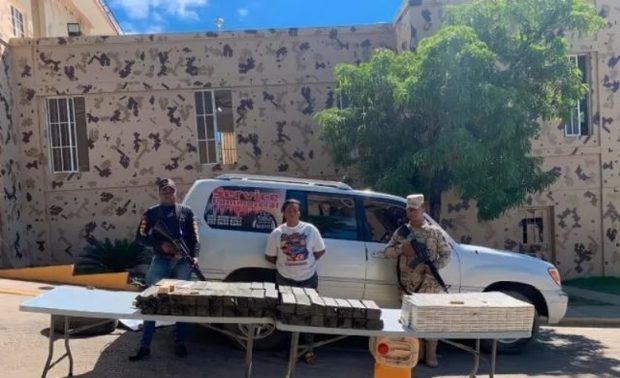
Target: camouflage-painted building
{"x":574,"y":223}
{"x":89,"y":124}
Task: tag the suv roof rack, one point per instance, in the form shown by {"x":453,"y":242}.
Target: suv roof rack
{"x":291,"y":180}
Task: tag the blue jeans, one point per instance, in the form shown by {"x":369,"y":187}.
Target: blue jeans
{"x":311,"y":283}
{"x":161,"y":268}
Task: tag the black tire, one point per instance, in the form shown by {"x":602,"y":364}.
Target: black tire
{"x":515,"y":346}
{"x":252,"y":275}
{"x":108,"y":326}
{"x":266,"y":337}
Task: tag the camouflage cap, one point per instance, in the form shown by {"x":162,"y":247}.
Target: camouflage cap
{"x":415,"y":201}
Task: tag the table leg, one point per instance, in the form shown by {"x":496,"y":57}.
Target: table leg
{"x":52,"y":337}
{"x":292,"y":358}
{"x":50,"y":352}
{"x":249,"y":347}
{"x":476,"y":354}
{"x":493,"y":357}
{"x":474,"y":370}
{"x":67,"y":334}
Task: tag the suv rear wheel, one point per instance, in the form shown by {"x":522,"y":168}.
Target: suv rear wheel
{"x":265,"y":336}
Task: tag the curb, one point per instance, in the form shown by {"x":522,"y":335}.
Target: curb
{"x":589,"y":322}
{"x":611,"y":299}
{"x":25,"y":293}
{"x":63,"y":274}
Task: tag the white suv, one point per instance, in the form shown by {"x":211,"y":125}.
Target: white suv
{"x":236,"y":213}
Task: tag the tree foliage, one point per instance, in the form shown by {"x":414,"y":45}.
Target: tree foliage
{"x":460,"y":112}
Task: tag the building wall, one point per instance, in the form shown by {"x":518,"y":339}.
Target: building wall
{"x":101,"y":19}
{"x":56,"y":14}
{"x":607,"y":50}
{"x":49,"y":18}
{"x":6,"y":26}
{"x":581,"y":205}
{"x":138,"y":92}
{"x":139,"y":101}
{"x":11,"y":225}
{"x":418,"y":19}
{"x":15,"y":247}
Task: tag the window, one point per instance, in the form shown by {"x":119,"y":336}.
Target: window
{"x":67,"y":134}
{"x":74,"y":29}
{"x":382,"y":219}
{"x":533,"y":230}
{"x":17,"y":21}
{"x":244,"y":208}
{"x":536,"y":233}
{"x":579,"y":123}
{"x":215,"y":127}
{"x":333,"y":215}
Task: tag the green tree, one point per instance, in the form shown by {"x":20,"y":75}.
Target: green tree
{"x":460,"y":112}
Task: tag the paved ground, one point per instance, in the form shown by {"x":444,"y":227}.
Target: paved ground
{"x":562,"y":352}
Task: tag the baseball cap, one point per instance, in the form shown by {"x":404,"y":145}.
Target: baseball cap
{"x":166,"y":183}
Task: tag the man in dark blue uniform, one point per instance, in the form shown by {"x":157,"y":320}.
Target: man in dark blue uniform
{"x":179,"y":222}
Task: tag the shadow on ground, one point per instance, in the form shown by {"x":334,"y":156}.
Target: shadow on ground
{"x":212,"y":355}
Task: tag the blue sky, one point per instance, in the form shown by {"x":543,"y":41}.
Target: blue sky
{"x":172,"y":16}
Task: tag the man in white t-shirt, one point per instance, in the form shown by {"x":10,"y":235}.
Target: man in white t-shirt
{"x":295,"y":247}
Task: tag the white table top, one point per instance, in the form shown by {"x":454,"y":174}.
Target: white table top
{"x":94,"y":303}
{"x":393,"y":327}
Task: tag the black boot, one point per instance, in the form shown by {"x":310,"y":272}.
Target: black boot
{"x":143,"y":352}
{"x":180,"y":350}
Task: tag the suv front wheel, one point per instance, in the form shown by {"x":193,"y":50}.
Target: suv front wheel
{"x":514,"y":346}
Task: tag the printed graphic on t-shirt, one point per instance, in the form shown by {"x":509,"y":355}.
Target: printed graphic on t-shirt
{"x":293,"y":246}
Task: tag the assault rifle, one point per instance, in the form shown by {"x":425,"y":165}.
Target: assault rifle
{"x":180,"y":247}
{"x":423,"y":257}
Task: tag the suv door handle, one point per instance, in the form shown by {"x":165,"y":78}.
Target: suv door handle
{"x":377,"y":254}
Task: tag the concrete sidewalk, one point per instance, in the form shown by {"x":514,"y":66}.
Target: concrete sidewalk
{"x":612,"y":299}
{"x":598,"y":315}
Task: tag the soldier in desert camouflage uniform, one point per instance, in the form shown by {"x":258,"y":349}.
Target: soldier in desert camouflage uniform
{"x":420,"y":278}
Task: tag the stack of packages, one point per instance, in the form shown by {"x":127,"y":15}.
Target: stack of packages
{"x":294,"y":305}
{"x":303,"y":306}
{"x":209,"y":298}
{"x":466,"y":312}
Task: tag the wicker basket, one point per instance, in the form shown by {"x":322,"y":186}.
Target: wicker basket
{"x":466,"y":312}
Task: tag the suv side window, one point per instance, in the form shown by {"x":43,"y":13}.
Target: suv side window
{"x":244,"y":208}
{"x":334,"y":215}
{"x":382,"y":219}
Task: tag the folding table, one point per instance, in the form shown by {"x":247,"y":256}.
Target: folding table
{"x":393,"y":327}
{"x":68,"y":301}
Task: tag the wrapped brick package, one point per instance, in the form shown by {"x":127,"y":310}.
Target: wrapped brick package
{"x":466,"y":312}
{"x":293,"y":305}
